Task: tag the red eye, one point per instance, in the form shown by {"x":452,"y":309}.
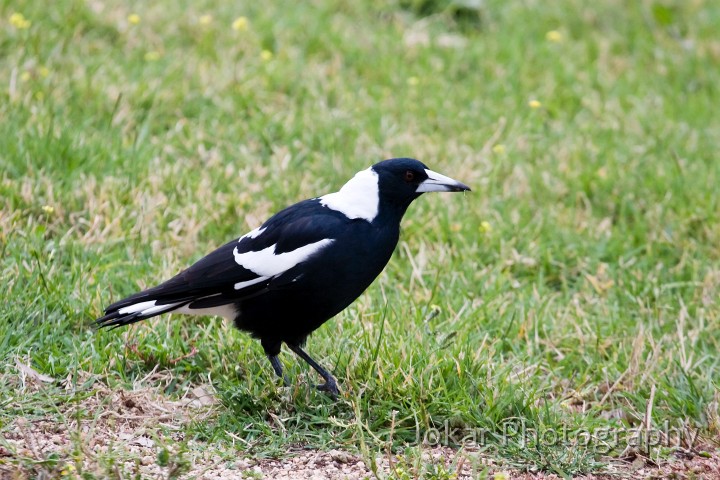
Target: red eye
{"x":409,"y":176}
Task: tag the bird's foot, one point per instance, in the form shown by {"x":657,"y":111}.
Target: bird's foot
{"x":330,"y":387}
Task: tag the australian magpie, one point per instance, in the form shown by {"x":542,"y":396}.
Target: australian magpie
{"x":300,"y":268}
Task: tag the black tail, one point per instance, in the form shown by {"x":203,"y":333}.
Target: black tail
{"x":210,"y":283}
{"x":136,"y":308}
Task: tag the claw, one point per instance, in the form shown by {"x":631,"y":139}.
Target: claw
{"x":329,"y":387}
{"x":330,"y":384}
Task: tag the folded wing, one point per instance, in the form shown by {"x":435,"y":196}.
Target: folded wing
{"x":238,"y":270}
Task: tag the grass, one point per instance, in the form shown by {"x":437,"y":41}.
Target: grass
{"x":580,"y":275}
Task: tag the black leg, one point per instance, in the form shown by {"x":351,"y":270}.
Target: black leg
{"x":277,"y":366}
{"x":330,"y":384}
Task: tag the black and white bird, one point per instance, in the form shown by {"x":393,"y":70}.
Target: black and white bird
{"x":300,"y":268}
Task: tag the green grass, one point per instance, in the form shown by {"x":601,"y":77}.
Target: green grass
{"x":582,"y":270}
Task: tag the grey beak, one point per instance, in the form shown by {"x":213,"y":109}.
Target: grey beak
{"x":437,"y":182}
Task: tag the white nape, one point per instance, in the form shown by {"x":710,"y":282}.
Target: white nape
{"x":358,"y":198}
{"x":266,"y":263}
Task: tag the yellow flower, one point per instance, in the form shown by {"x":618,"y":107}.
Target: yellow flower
{"x":240,"y":24}
{"x":554,"y":36}
{"x":485,"y":227}
{"x":19,"y":21}
{"x":39,"y":96}
{"x":455,"y":227}
{"x":266,"y":55}
{"x":133,"y":18}
{"x":534,"y":104}
{"x":25,"y":76}
{"x":412,"y":81}
{"x":205,"y":19}
{"x":499,"y":149}
{"x":44,"y":71}
{"x":48,"y":209}
{"x":152,"y":56}
{"x":68,"y":470}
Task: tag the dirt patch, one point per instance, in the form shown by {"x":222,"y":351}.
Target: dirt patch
{"x":124,"y":434}
{"x":106,"y":431}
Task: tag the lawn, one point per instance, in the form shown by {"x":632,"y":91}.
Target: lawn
{"x":562,"y":318}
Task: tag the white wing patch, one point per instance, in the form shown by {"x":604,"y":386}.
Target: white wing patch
{"x":358,"y":198}
{"x":241,"y":285}
{"x":252,"y":234}
{"x":266,"y":263}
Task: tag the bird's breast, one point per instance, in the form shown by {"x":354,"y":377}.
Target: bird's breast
{"x":317,"y":289}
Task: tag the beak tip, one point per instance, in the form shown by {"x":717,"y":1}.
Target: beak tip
{"x":437,"y":182}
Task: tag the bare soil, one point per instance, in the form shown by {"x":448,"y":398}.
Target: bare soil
{"x":117,"y":435}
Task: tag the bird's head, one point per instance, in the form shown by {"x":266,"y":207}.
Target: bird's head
{"x":402,"y":180}
{"x":388,"y":186}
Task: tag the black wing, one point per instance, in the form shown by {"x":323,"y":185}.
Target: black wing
{"x":218,"y":279}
